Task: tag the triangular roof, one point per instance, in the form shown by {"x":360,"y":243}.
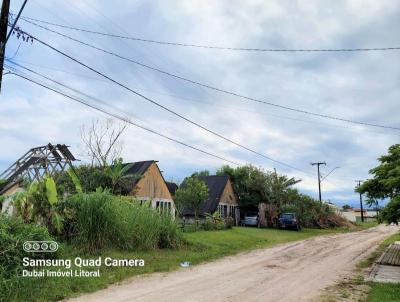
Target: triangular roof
{"x":139,"y":168}
{"x":216,"y":185}
{"x":172,"y":187}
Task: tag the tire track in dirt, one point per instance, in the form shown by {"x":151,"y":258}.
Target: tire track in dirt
{"x":292,"y":272}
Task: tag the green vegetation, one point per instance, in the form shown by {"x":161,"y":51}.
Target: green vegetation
{"x":13,"y":233}
{"x":381,"y":292}
{"x":379,"y":250}
{"x":200,"y":246}
{"x":255,"y":186}
{"x":192,"y":194}
{"x":385,"y":184}
{"x":384,"y":292}
{"x":100,"y":220}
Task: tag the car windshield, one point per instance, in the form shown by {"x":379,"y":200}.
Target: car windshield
{"x":287,"y":216}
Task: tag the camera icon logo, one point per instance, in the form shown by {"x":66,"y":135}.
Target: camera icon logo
{"x":40,"y":246}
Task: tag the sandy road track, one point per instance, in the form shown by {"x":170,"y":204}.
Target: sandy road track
{"x":292,"y":272}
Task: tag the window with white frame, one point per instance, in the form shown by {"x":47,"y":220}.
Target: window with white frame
{"x":163,"y":205}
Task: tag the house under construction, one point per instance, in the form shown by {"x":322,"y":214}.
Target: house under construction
{"x":35,"y":164}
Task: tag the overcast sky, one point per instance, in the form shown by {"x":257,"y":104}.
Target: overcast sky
{"x":362,"y":86}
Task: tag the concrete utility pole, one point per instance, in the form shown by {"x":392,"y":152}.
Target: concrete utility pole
{"x":319,"y":177}
{"x":361,"y":204}
{"x":5,"y":7}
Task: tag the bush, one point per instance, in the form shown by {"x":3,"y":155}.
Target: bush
{"x":13,"y":233}
{"x":391,"y":212}
{"x":91,"y":178}
{"x":312,"y":213}
{"x":215,"y":222}
{"x":100,"y":220}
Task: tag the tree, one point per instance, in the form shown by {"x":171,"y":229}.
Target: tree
{"x":386,"y":177}
{"x":202,"y":173}
{"x":240,"y":177}
{"x":192,"y":194}
{"x":346,"y":207}
{"x":102,"y":141}
{"x":89,"y":179}
{"x":254,"y":186}
{"x":273,"y":189}
{"x":385,"y":184}
{"x":391,"y":212}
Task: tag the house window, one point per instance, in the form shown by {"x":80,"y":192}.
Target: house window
{"x":163,"y":205}
{"x":223,"y":210}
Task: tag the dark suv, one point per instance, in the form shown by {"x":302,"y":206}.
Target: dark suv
{"x":288,"y":221}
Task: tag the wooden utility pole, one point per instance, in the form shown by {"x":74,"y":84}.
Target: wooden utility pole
{"x":319,"y":178}
{"x":5,"y":8}
{"x":361,"y":203}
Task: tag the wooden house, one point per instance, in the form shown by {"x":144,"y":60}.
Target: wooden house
{"x":221,"y":198}
{"x":149,"y":185}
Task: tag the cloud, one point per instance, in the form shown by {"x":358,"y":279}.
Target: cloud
{"x":358,"y":86}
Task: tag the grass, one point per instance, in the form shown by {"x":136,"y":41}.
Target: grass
{"x":382,"y":292}
{"x":201,"y":246}
{"x":366,"y":225}
{"x":379,"y":250}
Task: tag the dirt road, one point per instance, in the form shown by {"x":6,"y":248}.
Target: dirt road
{"x":291,"y":272}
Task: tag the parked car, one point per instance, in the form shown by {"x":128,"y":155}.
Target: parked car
{"x":289,"y":221}
{"x":250,"y":219}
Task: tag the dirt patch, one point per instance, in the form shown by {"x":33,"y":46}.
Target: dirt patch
{"x":347,"y":290}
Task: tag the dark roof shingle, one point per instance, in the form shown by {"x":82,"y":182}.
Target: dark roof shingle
{"x":172,"y":187}
{"x":216,"y":185}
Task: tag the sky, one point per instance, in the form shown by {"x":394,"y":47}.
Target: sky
{"x":361,"y":86}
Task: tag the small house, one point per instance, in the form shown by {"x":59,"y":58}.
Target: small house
{"x":149,"y":185}
{"x":354,"y":214}
{"x":221,"y":198}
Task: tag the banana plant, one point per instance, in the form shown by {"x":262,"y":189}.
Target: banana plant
{"x":75,"y":180}
{"x":23,"y":201}
{"x":54,"y":219}
{"x":118,"y":173}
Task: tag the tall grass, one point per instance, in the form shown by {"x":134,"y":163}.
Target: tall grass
{"x":100,"y":220}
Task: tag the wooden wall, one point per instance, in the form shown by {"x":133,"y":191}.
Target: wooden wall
{"x":152,"y":185}
{"x":228,"y":195}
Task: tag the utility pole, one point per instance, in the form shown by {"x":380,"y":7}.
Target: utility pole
{"x":361,"y":204}
{"x":319,"y":177}
{"x":5,"y":8}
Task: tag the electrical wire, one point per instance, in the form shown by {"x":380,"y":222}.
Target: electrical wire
{"x":243,"y":97}
{"x":124,"y":119}
{"x":198,"y":101}
{"x":213,"y":46}
{"x":162,"y":106}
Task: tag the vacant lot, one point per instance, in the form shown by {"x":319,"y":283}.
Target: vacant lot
{"x":289,"y":272}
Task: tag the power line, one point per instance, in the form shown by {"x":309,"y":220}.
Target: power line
{"x":213,"y":46}
{"x":162,"y":106}
{"x":125,"y":119}
{"x":16,"y":20}
{"x":213,"y":87}
{"x":13,"y":71}
{"x":199,"y":101}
